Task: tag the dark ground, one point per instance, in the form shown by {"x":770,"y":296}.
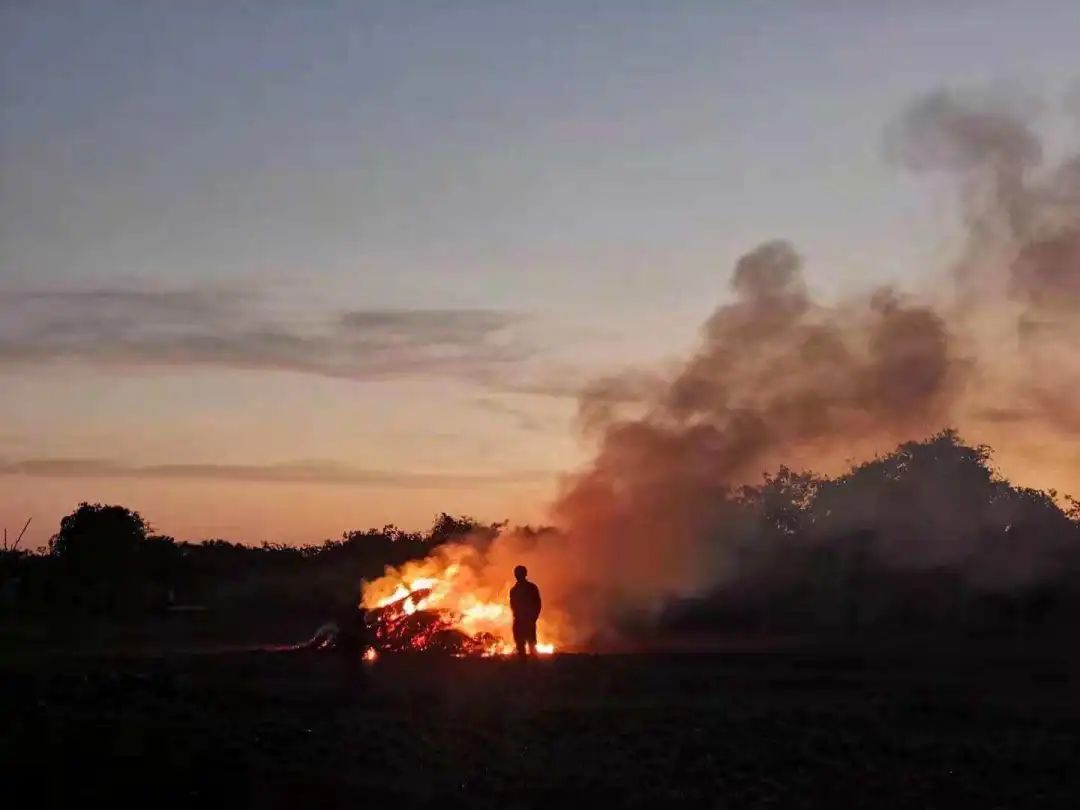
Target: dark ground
{"x":802,"y":727}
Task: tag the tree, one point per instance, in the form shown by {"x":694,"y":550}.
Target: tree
{"x":94,"y":534}
{"x":100,"y":550}
{"x":448,"y":529}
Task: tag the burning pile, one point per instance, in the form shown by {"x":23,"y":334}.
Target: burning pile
{"x":442,"y":611}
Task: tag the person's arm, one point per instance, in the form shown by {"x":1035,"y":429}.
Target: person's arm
{"x":536,"y":590}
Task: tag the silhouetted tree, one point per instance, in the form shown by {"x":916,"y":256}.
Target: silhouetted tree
{"x":98,"y":535}
{"x":447,"y":529}
{"x":103,"y":552}
{"x":927,"y":536}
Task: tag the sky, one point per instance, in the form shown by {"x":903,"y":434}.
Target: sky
{"x":271,"y":271}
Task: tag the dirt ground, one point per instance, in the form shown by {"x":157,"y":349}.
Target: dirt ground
{"x":754,"y":728}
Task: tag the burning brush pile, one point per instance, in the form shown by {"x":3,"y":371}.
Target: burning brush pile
{"x":403,"y":623}
{"x":441,"y":609}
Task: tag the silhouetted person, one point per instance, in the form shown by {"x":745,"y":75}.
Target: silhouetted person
{"x":353,"y":639}
{"x":525,"y":605}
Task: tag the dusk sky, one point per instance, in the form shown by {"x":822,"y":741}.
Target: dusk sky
{"x":273,"y":271}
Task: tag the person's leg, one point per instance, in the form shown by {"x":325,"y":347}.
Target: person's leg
{"x":519,"y":640}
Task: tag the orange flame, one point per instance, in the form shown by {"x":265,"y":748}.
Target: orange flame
{"x":448,"y":585}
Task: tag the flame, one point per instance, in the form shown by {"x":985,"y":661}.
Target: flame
{"x":443,"y":604}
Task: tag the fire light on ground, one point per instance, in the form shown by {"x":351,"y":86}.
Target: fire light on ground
{"x":440,"y":605}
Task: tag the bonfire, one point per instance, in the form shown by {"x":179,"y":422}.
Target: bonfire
{"x":440,"y":613}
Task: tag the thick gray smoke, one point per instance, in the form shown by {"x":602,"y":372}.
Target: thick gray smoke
{"x":1031,"y":221}
{"x":779,"y":378}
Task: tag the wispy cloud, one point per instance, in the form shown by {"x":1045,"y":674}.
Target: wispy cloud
{"x":240,"y":329}
{"x":524,"y":419}
{"x":320,"y":472}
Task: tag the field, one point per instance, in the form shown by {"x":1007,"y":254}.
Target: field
{"x":794,"y":726}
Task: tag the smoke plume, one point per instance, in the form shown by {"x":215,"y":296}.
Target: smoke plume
{"x":778,"y":378}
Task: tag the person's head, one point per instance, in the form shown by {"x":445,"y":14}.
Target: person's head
{"x":520,"y":572}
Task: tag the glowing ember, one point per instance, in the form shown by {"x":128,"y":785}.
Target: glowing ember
{"x":440,"y":605}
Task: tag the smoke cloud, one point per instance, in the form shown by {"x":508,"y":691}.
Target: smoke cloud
{"x":781,"y":379}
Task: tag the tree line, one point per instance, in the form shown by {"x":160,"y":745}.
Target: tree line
{"x":929,"y":537}
{"x":107,"y":560}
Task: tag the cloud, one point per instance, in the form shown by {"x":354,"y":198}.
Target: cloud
{"x":429,"y":325}
{"x":240,"y":329}
{"x":524,"y":419}
{"x":315,"y":472}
